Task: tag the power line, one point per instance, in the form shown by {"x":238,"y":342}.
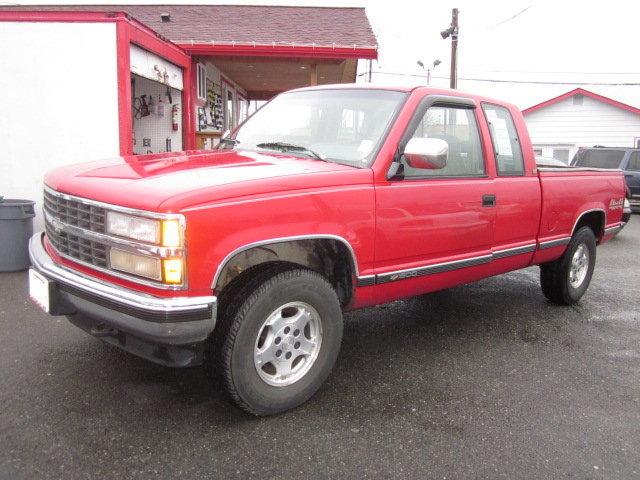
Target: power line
{"x":552,"y":72}
{"x":511,"y":17}
{"x":497,"y":80}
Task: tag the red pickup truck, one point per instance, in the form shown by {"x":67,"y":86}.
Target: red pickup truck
{"x":327,"y":199}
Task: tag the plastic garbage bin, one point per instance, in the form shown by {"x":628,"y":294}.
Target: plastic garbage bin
{"x":16,"y":227}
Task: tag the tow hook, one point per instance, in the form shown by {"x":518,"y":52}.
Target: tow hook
{"x":102,"y":330}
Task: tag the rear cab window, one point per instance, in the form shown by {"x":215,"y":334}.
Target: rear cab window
{"x":505,"y":140}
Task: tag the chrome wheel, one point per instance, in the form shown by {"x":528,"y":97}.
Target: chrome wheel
{"x":288,"y":344}
{"x":579,"y":266}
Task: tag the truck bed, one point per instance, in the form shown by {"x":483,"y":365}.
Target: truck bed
{"x":569,"y":192}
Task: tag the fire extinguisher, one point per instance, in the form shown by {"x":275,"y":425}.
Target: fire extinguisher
{"x":174,"y":117}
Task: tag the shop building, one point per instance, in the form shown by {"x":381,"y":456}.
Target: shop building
{"x":91,"y":82}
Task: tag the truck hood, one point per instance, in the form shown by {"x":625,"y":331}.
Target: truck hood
{"x":173,"y":181}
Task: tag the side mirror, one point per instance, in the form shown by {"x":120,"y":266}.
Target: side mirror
{"x":426,"y":153}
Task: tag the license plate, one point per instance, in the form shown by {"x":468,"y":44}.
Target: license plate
{"x":39,"y":289}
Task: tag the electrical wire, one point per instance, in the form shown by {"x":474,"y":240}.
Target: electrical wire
{"x":497,"y":80}
{"x":510,"y":18}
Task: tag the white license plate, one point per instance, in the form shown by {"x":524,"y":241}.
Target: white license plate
{"x":39,"y":289}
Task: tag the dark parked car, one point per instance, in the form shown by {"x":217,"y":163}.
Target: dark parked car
{"x":626,"y":159}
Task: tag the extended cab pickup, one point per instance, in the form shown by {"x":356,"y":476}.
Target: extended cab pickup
{"x":326,"y":199}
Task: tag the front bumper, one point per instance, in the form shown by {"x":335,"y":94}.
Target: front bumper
{"x":170,"y":331}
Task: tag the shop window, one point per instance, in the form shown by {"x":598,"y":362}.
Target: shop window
{"x":201,"y":74}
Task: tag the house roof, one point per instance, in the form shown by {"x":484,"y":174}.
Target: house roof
{"x":586,"y":93}
{"x":272,"y":26}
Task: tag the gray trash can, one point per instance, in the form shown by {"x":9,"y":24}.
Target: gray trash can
{"x":16,"y":227}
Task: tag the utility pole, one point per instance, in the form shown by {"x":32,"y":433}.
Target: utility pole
{"x":370,"y":68}
{"x":453,"y":81}
{"x":452,"y":32}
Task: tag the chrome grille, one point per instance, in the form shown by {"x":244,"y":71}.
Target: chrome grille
{"x":74,"y":212}
{"x":60,"y":210}
{"x":87,"y":251}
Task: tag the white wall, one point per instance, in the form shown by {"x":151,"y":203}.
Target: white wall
{"x":59,"y":103}
{"x":569,"y":125}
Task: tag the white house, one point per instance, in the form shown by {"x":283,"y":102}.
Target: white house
{"x":580,"y":118}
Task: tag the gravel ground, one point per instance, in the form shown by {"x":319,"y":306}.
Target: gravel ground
{"x":482,"y":381}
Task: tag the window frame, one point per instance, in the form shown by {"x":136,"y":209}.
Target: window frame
{"x":230,"y":123}
{"x":241,"y":100}
{"x":523,"y":172}
{"x":446,"y":101}
{"x":201,"y":81}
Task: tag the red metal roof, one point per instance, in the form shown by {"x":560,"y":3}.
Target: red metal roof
{"x":248,"y":25}
{"x":586,"y":93}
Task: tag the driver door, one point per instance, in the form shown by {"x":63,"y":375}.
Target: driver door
{"x":434,"y":226}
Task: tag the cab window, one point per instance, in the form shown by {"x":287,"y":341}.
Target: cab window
{"x":458,"y":127}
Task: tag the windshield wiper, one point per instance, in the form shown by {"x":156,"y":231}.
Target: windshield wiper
{"x":284,"y":146}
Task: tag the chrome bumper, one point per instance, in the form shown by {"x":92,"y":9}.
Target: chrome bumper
{"x":134,"y":321}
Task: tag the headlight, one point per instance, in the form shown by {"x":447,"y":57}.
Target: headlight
{"x":137,"y":228}
{"x":167,"y":233}
{"x":163,"y":265}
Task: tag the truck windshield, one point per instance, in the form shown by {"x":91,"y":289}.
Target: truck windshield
{"x":598,"y":158}
{"x":335,"y":125}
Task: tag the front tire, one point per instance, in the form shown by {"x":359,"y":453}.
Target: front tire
{"x":280,"y":341}
{"x":565,"y":281}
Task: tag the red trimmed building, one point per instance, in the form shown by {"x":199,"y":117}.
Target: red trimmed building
{"x":580,"y":118}
{"x":90,"y":82}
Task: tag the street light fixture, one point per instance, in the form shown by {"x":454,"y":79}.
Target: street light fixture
{"x":436,"y":62}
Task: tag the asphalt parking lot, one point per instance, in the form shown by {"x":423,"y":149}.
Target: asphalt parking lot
{"x":482,"y":381}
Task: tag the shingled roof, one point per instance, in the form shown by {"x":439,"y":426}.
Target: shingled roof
{"x":246,"y":24}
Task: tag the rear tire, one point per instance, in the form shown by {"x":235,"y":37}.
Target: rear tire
{"x":565,"y":281}
{"x":277,"y":341}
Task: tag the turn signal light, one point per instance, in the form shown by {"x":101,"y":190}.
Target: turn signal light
{"x":172,"y":270}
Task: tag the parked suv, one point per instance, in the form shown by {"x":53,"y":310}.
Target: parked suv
{"x":626,"y":159}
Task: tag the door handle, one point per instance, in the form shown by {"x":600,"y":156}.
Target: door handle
{"x":489,"y":200}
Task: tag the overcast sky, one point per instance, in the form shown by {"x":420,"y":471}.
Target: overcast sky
{"x":516,"y":40}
